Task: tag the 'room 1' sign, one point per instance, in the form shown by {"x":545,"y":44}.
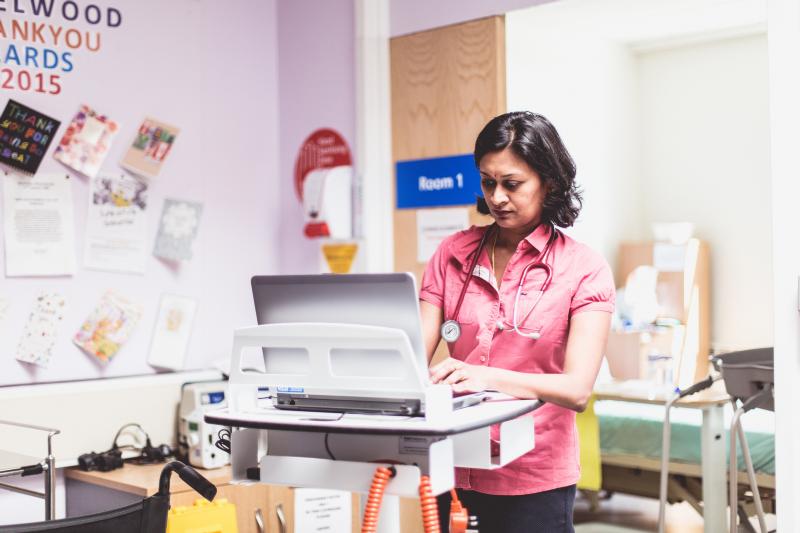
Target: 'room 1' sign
{"x":440,"y":181}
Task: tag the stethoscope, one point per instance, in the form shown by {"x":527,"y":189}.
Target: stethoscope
{"x":451,"y":329}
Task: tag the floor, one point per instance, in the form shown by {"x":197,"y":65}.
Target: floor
{"x":632,"y":514}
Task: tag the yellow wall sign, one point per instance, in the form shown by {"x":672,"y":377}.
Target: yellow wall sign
{"x":340,"y":256}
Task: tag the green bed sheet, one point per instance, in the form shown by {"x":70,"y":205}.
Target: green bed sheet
{"x":633,"y":435}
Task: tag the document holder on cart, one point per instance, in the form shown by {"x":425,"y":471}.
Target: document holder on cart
{"x":344,"y":379}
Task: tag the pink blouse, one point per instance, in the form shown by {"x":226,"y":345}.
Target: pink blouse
{"x":581,"y":281}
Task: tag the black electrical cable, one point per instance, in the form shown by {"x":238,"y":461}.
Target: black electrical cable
{"x":114,"y":445}
{"x":224,"y":440}
{"x":327,"y":447}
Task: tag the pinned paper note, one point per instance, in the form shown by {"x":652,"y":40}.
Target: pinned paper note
{"x":172,"y":332}
{"x":340,"y":256}
{"x":434,"y":225}
{"x":177,"y":229}
{"x":38,"y":225}
{"x":322,"y":510}
{"x":116,"y":225}
{"x":41,"y":329}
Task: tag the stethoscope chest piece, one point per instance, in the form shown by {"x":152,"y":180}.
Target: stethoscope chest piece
{"x":451,"y":331}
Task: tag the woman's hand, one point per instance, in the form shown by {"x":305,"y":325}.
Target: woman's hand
{"x":461,"y":376}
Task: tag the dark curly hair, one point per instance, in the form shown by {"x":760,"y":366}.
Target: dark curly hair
{"x":534,"y":139}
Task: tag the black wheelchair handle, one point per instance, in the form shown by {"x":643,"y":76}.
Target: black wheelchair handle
{"x":192,"y":478}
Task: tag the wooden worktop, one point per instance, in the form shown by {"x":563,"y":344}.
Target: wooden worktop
{"x":142,"y":480}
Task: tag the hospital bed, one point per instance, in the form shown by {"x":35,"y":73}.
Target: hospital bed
{"x":630,"y":443}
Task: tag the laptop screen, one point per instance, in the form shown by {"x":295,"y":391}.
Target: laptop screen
{"x":387,"y":300}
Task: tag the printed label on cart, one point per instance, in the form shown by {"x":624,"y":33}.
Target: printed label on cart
{"x":416,"y":445}
{"x":291,"y":389}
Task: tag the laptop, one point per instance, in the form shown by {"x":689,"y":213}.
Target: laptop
{"x":386,"y":300}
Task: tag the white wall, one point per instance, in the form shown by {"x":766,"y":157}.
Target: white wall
{"x":619,"y":80}
{"x":561,"y":63}
{"x":784,"y":86}
{"x":704,"y":130}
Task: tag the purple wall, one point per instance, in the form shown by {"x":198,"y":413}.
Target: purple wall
{"x":316,"y":89}
{"x":409,"y":16}
{"x":211,"y":72}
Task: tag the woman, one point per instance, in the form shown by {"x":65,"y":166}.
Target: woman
{"x":548,"y":345}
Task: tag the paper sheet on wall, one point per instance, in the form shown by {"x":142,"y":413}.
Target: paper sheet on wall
{"x":38,"y":225}
{"x":108,"y":327}
{"x":322,"y":510}
{"x":177,"y":229}
{"x":116,"y":225}
{"x":172,"y":332}
{"x":41,"y":329}
{"x":433,"y":225}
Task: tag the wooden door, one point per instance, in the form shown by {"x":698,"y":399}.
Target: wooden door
{"x":447,"y":83}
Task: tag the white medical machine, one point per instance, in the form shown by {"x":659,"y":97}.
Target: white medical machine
{"x":197,"y":435}
{"x":347,"y":350}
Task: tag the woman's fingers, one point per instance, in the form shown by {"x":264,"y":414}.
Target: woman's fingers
{"x":455,"y":376}
{"x":463,"y":386}
{"x":444,"y":369}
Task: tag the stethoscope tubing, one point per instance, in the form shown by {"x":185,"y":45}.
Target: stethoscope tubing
{"x":539,"y":262}
{"x":473,"y":263}
{"x":545,"y":284}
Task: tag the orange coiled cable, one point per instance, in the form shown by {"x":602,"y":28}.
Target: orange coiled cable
{"x":430,"y":511}
{"x":373,"y":505}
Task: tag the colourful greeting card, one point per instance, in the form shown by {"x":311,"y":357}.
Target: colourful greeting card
{"x":108,"y":327}
{"x":25,"y":135}
{"x":151,"y":146}
{"x":177,"y":229}
{"x":86,"y":142}
{"x":41,"y":330}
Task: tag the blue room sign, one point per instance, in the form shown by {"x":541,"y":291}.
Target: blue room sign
{"x":439,"y":181}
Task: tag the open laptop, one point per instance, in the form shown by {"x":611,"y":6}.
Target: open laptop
{"x":387,"y":300}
